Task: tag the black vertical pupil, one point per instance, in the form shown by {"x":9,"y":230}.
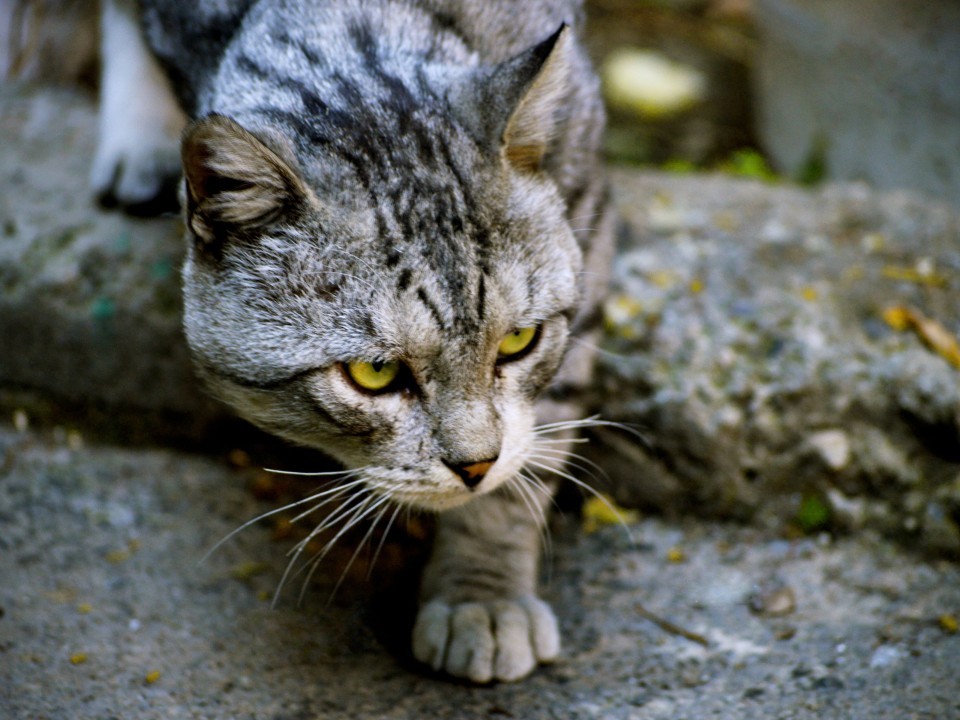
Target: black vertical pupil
{"x":377,"y":365}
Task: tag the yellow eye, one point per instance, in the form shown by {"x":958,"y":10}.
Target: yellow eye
{"x":516,"y":342}
{"x":372,"y":376}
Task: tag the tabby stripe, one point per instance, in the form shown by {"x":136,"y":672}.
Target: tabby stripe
{"x":432,"y":307}
{"x":309,"y":53}
{"x":443,"y":22}
{"x":253,"y":68}
{"x":364,"y":41}
{"x":481,"y":298}
{"x":348,"y":424}
{"x":270,"y":384}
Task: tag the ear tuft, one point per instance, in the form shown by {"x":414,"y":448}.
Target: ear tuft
{"x":234,"y":183}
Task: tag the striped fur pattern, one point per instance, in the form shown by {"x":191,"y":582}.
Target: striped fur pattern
{"x":410,"y":181}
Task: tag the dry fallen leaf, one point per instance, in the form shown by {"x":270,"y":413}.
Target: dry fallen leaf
{"x":921,"y":276}
{"x":601,"y":510}
{"x":676,"y":555}
{"x":931,"y":332}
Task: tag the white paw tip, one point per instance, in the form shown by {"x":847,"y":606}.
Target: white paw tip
{"x":483,"y":641}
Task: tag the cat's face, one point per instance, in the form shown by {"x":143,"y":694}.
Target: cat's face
{"x":393,"y":364}
{"x":402,"y":315}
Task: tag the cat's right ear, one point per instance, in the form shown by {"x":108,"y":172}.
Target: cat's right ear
{"x":515,"y":106}
{"x":234,"y":184}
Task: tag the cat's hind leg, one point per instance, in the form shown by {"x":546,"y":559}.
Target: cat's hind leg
{"x":137,"y":164}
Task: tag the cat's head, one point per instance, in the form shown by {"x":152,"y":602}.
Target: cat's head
{"x":397,"y":295}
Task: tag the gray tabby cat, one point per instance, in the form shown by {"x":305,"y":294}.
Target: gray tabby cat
{"x":397,"y":229}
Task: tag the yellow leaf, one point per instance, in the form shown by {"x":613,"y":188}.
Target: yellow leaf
{"x":676,"y":555}
{"x":247,"y":570}
{"x":601,"y":510}
{"x":921,"y":276}
{"x":934,"y":335}
{"x":897,"y":317}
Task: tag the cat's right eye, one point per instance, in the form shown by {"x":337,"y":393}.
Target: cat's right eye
{"x":372,"y":377}
{"x":514,"y":345}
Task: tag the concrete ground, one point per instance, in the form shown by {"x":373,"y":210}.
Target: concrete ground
{"x":106,"y":610}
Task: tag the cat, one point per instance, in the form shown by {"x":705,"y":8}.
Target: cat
{"x":398,"y":234}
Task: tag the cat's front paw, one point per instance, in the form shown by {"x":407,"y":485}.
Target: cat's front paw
{"x":484,"y":641}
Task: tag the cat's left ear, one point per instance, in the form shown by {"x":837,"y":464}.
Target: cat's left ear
{"x":519,"y":99}
{"x":234,"y":183}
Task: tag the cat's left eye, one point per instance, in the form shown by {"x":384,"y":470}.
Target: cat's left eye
{"x":373,"y":377}
{"x":514,"y":345}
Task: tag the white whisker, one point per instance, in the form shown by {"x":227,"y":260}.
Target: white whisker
{"x":592,"y":421}
{"x":384,"y":506}
{"x":345,"y":473}
{"x":574,"y":460}
{"x":335,"y":491}
{"x":536,"y":510}
{"x":596,"y":348}
{"x":357,"y":501}
{"x":585,"y":486}
{"x":383,"y":538}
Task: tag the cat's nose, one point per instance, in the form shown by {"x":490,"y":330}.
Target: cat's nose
{"x":472,"y":472}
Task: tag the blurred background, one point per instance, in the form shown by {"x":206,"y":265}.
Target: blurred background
{"x":803,"y":90}
{"x":798,"y":89}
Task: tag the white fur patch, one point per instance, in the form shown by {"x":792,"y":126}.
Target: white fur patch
{"x":484,"y":641}
{"x":140,"y":121}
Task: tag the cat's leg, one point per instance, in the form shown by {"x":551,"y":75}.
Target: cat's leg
{"x":481,"y":618}
{"x":137,"y":163}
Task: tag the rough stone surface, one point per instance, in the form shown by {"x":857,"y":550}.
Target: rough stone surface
{"x":747,"y":342}
{"x":106,"y":611}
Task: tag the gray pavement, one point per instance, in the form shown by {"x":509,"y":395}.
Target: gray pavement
{"x":107,"y":612}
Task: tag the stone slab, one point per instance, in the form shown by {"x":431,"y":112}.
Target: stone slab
{"x":747,"y":341}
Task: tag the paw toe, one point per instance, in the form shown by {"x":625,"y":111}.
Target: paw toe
{"x":544,"y":631}
{"x":430,"y":634}
{"x":471,"y":650}
{"x":515,"y":654}
{"x":483,"y":641}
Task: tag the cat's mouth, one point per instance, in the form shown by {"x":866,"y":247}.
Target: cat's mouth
{"x":443,"y":490}
{"x":438,"y":500}
{"x":434,"y":502}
